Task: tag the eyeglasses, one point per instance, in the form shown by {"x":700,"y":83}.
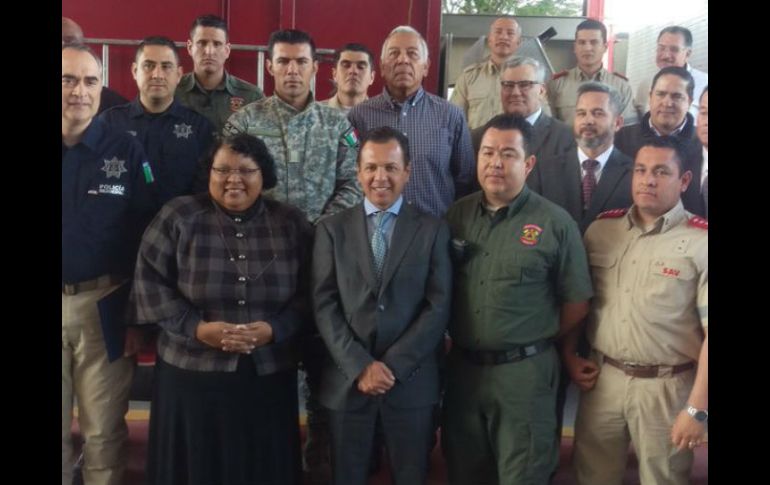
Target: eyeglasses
{"x":243,"y":172}
{"x":523,"y":85}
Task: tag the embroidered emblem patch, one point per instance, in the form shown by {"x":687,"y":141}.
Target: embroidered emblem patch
{"x":114,"y":167}
{"x":236,"y":103}
{"x":183,"y":130}
{"x":530,"y":234}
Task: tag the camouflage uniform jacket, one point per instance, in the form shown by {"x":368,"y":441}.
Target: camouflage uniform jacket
{"x":314,"y":149}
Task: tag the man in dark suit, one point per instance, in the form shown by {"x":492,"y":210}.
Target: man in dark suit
{"x":382,"y":287}
{"x":670,"y":98}
{"x":522,"y":91}
{"x":595,"y":176}
{"x":696,"y":197}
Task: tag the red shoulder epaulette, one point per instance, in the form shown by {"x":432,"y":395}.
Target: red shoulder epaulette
{"x":612,"y":214}
{"x":620,"y":76}
{"x":560,"y":74}
{"x":699,"y":222}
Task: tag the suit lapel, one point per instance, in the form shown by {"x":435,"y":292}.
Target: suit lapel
{"x":362,"y":247}
{"x":539,"y":129}
{"x":573,"y":184}
{"x":403,"y":234}
{"x":611,"y":176}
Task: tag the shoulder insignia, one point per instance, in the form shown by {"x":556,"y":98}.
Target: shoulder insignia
{"x":350,"y":137}
{"x":620,"y":76}
{"x":560,"y":74}
{"x":612,"y":214}
{"x":699,"y":222}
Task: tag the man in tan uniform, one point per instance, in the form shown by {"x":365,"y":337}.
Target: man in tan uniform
{"x":353,"y":73}
{"x":590,"y":46}
{"x":647,"y":378}
{"x":477,"y":90}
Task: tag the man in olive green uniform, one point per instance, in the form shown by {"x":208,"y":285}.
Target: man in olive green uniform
{"x":647,"y":378}
{"x":521,"y":279}
{"x":315,"y":150}
{"x":210,"y":89}
{"x":477,"y":89}
{"x":590,"y":46}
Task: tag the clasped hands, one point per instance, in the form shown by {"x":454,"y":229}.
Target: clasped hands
{"x":235,"y":337}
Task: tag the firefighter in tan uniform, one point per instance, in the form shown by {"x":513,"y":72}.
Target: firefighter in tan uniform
{"x":477,"y":89}
{"x":647,"y":378}
{"x":590,"y":46}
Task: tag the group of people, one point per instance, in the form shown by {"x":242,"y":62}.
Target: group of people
{"x":427,"y":263}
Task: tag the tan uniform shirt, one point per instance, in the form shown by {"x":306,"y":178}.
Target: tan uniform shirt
{"x":334,"y":102}
{"x":477,"y":93}
{"x":651,"y":287}
{"x":562,"y":93}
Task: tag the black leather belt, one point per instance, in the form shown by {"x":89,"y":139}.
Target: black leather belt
{"x":103,"y":281}
{"x":496,"y":357}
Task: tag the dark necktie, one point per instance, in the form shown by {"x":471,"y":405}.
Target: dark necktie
{"x":589,"y":181}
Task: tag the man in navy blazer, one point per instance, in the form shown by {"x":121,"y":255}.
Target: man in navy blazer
{"x":560,"y":179}
{"x":381,"y":292}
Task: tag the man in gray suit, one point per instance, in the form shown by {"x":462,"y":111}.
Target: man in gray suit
{"x":522,"y":91}
{"x":382,"y":281}
{"x":595,"y":176}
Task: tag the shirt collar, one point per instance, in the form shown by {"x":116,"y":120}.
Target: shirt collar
{"x":662,"y":224}
{"x":602,"y":158}
{"x":289,"y":109}
{"x":394,"y":209}
{"x":136,"y":110}
{"x":532,"y":119}
{"x":93,"y":134}
{"x":189,"y":81}
{"x":413,"y":100}
{"x":513,"y":206}
{"x":676,"y":132}
{"x":599,"y":76}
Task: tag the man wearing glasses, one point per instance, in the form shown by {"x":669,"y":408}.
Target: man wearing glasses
{"x":590,"y":46}
{"x":522,"y":90}
{"x":674,"y":49}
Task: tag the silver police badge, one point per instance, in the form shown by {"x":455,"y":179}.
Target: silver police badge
{"x":114,"y":168}
{"x":182,"y":130}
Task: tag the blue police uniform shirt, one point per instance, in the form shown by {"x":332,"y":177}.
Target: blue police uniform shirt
{"x":107,"y":200}
{"x":173,"y":141}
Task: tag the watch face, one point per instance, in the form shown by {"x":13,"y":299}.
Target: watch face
{"x":701,"y":416}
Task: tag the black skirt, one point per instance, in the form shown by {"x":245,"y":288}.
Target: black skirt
{"x":223,"y":428}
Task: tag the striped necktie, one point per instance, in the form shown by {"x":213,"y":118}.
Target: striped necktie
{"x":379,"y":244}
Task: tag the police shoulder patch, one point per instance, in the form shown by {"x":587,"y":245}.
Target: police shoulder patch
{"x":620,"y":76}
{"x":560,"y":74}
{"x":612,"y":214}
{"x":699,"y":222}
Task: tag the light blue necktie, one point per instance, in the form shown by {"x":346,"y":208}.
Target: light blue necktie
{"x":379,"y":245}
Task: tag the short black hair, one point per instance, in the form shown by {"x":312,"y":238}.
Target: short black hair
{"x":384,"y":134}
{"x":676,"y":71}
{"x":354,"y":47}
{"x":591,"y":24}
{"x":209,"y":20}
{"x":506,"y":122}
{"x":678,"y":30}
{"x":248,"y":146}
{"x":705,"y":90}
{"x":670,"y":142}
{"x":290,"y":36}
{"x":158,"y":40}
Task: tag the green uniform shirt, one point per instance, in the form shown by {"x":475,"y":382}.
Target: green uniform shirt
{"x":314,"y":149}
{"x":518,"y":267}
{"x":217,"y":105}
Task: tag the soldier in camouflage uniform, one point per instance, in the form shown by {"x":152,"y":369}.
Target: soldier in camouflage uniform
{"x":315,"y":150}
{"x":210,"y":89}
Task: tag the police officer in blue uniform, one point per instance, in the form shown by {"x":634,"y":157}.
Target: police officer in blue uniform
{"x":107,"y":199}
{"x":174,"y":137}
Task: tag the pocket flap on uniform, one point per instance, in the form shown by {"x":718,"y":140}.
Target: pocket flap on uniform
{"x":602,"y":260}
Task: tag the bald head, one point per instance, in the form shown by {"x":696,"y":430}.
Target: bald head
{"x":71,"y":33}
{"x":503,"y":39}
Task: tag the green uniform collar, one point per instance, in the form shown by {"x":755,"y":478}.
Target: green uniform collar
{"x":189,"y":82}
{"x":510,"y":211}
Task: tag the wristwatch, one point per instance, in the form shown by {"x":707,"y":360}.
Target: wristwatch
{"x":699,"y":415}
